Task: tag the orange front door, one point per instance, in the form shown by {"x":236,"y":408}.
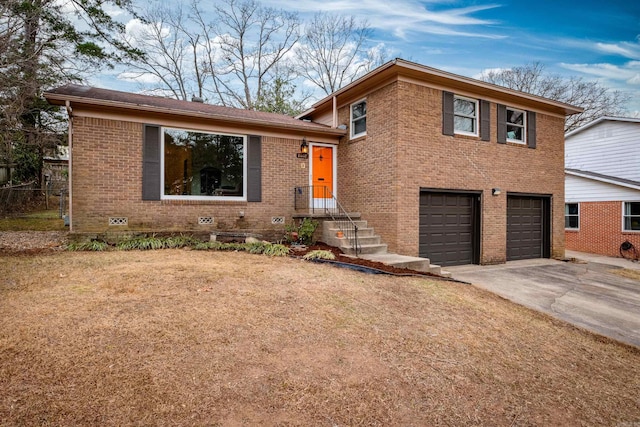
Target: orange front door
{"x":322,"y":174}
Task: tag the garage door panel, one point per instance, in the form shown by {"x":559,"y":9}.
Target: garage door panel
{"x":525,"y":227}
{"x":447,"y":228}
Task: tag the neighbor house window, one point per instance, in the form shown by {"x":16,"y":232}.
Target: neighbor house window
{"x":359,"y":118}
{"x":572,"y":216}
{"x":516,"y":125}
{"x":202,"y":165}
{"x":465,"y":116}
{"x":631,"y":216}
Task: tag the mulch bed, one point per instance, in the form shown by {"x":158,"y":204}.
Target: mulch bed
{"x":42,"y":242}
{"x":341,"y":257}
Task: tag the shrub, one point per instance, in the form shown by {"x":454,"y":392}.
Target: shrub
{"x":276,"y":250}
{"x":93,"y":245}
{"x":319,"y":254}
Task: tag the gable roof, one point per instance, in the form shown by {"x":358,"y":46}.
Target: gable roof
{"x":600,"y":120}
{"x":440,"y":78}
{"x":106,"y":98}
{"x":628,"y":183}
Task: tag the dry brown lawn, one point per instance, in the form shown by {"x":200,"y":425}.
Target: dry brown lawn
{"x":182,"y":338}
{"x":628,"y":273}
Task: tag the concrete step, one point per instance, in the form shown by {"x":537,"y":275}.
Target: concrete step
{"x":409,"y":262}
{"x":332,"y":224}
{"x":362,"y":232}
{"x":345,"y":242}
{"x":380,"y":248}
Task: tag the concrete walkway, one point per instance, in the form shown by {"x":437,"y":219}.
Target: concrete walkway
{"x":585,"y":293}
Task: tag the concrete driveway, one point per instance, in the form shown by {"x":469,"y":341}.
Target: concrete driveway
{"x":584,"y":293}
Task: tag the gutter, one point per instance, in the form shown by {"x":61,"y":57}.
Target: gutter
{"x":602,"y":179}
{"x":67,"y":99}
{"x":70,"y":177}
{"x":427,"y":72}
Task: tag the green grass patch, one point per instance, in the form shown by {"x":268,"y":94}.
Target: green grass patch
{"x":36,"y":221}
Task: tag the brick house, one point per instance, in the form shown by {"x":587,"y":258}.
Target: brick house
{"x":442,"y":166}
{"x":602,"y":187}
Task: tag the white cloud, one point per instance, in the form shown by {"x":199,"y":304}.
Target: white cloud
{"x":402,"y":17}
{"x":486,"y":71}
{"x":144,"y":78}
{"x":635,"y":80}
{"x":615,"y":49}
{"x":625,"y":72}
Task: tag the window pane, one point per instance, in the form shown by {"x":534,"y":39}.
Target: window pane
{"x":359,"y":110}
{"x":571,"y":209}
{"x":464,"y":107}
{"x":464,"y":124}
{"x":571,"y":222}
{"x":515,"y":117}
{"x":360,"y":126}
{"x":632,"y":223}
{"x":632,"y":208}
{"x":514,"y":132}
{"x":203,"y":164}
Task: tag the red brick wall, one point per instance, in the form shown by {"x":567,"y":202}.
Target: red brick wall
{"x":600,"y":230}
{"x":381,"y":174}
{"x":107,"y":182}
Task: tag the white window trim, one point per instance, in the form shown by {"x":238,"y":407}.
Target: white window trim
{"x":353,"y":136}
{"x":624,"y":216}
{"x":476,"y":117}
{"x":206,"y":198}
{"x":524,"y":128}
{"x":578,"y":215}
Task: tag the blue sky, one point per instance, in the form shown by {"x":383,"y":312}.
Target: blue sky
{"x":590,"y":39}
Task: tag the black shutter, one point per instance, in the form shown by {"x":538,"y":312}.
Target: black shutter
{"x":254,"y":167}
{"x":447,"y":113}
{"x":485,"y":120}
{"x":531,"y":129}
{"x":151,"y":163}
{"x":502,"y":124}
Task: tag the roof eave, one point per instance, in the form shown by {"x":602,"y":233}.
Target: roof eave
{"x":403,"y":65}
{"x":602,"y":179}
{"x":60,"y":99}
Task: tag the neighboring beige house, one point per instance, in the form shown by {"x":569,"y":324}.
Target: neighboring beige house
{"x":442,"y":166}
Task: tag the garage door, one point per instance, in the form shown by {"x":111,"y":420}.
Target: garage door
{"x":527,"y":227}
{"x":448,"y":227}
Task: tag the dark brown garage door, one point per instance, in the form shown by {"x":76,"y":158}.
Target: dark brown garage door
{"x":527,"y":227}
{"x":448,"y":226}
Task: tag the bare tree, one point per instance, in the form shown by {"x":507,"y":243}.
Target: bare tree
{"x":171,"y":53}
{"x":229,"y":60}
{"x":334,"y":51}
{"x":596,"y":99}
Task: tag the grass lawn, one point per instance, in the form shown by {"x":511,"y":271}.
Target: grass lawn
{"x":48,"y":220}
{"x":183,"y":338}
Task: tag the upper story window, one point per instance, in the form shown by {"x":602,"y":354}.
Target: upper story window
{"x":202,"y":165}
{"x":631,"y":216}
{"x":572,"y":216}
{"x":359,"y":118}
{"x":516,"y":125}
{"x":465,"y":116}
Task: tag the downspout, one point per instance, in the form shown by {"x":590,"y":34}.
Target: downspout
{"x":335,"y":112}
{"x":70,"y":143}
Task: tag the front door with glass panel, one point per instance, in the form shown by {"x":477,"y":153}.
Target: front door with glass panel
{"x":322,"y":172}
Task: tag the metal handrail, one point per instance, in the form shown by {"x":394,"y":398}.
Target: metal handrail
{"x":305,"y":199}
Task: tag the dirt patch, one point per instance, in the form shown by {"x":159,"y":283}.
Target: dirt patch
{"x":30,"y":242}
{"x":628,"y":273}
{"x":178,"y":337}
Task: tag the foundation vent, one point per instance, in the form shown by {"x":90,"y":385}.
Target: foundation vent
{"x":205,"y":220}
{"x":118,"y":220}
{"x":275,"y":220}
